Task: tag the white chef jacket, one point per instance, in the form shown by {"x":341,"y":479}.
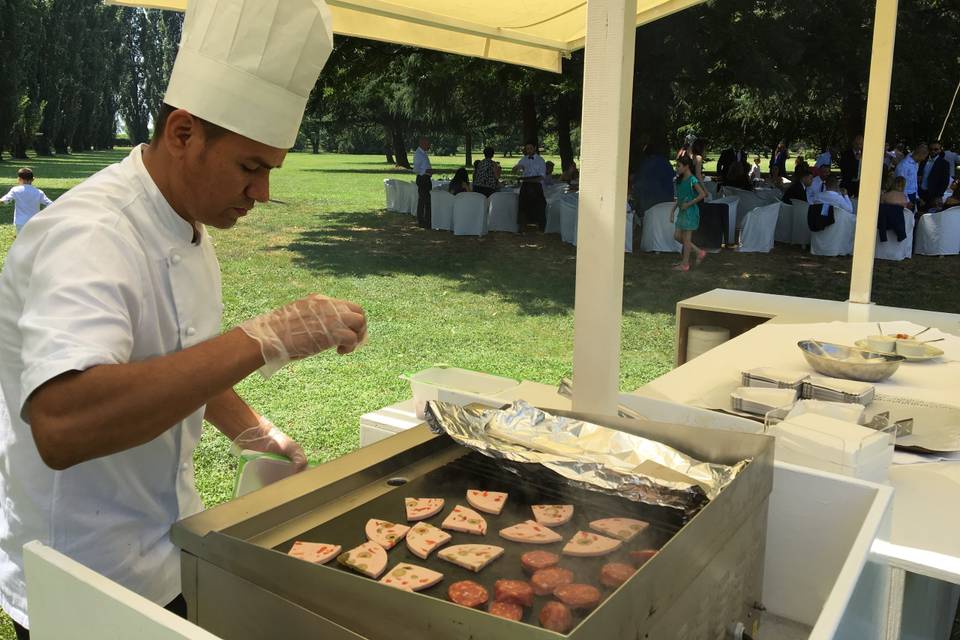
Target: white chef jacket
{"x":27,"y":202}
{"x":109,"y":274}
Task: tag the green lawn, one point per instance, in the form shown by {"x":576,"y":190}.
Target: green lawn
{"x":503,"y":304}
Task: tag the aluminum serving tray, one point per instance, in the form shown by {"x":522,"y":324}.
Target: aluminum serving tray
{"x":240,"y":584}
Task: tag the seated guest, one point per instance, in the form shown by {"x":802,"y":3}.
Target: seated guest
{"x":549,"y":179}
{"x":834,"y":196}
{"x":653,"y":181}
{"x":571,"y":175}
{"x":755,"y":176}
{"x":896,"y":195}
{"x":819,"y":178}
{"x":799,"y":188}
{"x":801,"y":164}
{"x":773,"y":179}
{"x":460,"y":182}
{"x":485,"y":173}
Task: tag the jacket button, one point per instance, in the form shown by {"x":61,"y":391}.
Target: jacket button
{"x":191,"y":331}
{"x":175,"y":258}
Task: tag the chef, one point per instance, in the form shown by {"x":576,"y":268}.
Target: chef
{"x":111,"y":351}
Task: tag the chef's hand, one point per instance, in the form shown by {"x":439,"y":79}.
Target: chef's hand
{"x":265,"y":437}
{"x":306,"y":327}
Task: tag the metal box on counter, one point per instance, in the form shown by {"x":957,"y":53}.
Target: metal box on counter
{"x":240,"y":584}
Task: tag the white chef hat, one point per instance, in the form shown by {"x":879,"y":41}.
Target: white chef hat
{"x":249,"y":65}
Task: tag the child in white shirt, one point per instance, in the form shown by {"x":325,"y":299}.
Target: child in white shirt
{"x":27,"y":198}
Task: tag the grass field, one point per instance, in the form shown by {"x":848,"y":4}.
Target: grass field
{"x":501,"y":304}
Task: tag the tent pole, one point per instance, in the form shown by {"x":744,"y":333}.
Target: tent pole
{"x":874,"y":136}
{"x":605,"y":126}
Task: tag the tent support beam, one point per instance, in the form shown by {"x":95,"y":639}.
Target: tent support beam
{"x":874,"y":136}
{"x":608,"y":98}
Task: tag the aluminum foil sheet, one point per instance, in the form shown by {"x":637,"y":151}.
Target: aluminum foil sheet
{"x":587,"y":455}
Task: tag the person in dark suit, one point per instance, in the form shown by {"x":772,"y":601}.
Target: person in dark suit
{"x":933,"y":176}
{"x":849,"y":163}
{"x":780,"y":158}
{"x":798,"y":187}
{"x":729,"y":157}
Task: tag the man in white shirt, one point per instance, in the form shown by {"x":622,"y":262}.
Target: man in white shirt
{"x":818,"y":184}
{"x":833,"y":196}
{"x":111,"y":351}
{"x":421,"y":166}
{"x":27,"y":198}
{"x":908,"y":169}
{"x":533,"y":204}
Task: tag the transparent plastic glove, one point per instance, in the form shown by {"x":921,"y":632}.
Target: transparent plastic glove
{"x":267,"y":438}
{"x":306,"y":327}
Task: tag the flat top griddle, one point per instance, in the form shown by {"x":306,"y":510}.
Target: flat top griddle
{"x":535,"y":485}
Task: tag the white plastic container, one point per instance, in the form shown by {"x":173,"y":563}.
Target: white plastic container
{"x":459,"y":386}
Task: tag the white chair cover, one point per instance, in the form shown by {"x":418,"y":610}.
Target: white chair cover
{"x":938,"y":234}
{"x":554,"y":191}
{"x":837,"y":239}
{"x":469,"y":214}
{"x":784,"y":223}
{"x":441,"y":210}
{"x":390,"y":187}
{"x":568,"y":217}
{"x":799,"y":230}
{"x":408,"y":197}
{"x":656,"y":232}
{"x":748,"y":201}
{"x":628,"y":232}
{"x":553,"y":215}
{"x":504,"y":208}
{"x":768,"y":195}
{"x":733,"y":205}
{"x":894,"y":250}
{"x":712,"y":188}
{"x":759,"y":229}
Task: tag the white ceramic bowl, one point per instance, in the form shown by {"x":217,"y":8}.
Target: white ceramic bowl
{"x":886,"y":344}
{"x":911,"y":348}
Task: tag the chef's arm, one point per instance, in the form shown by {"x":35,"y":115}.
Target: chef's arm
{"x":229,"y":413}
{"x":78,"y":416}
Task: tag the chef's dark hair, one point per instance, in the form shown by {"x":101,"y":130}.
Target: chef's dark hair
{"x":210,"y":130}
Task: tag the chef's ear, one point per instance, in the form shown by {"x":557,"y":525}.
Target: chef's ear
{"x":179,"y":129}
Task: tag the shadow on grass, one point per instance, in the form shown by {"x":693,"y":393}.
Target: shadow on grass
{"x":538,"y":272}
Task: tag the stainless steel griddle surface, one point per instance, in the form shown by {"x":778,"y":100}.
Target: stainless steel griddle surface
{"x":533,"y":486}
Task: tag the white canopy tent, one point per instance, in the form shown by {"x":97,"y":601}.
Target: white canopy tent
{"x":540,"y":33}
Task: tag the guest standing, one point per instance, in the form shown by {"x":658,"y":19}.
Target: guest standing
{"x":934,"y":176}
{"x":27,"y":199}
{"x":686,"y":213}
{"x":485,"y":174}
{"x":421,"y":166}
{"x":533,"y":205}
{"x":908,"y":168}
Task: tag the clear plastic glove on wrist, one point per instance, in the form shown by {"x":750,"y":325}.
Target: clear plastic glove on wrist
{"x":306,"y":327}
{"x":267,"y":438}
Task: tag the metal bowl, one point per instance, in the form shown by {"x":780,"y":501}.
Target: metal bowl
{"x":839,"y":361}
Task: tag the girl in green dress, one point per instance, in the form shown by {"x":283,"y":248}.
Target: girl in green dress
{"x":686,"y":213}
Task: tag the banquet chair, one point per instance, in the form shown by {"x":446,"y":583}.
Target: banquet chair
{"x":553,"y":194}
{"x":503,"y":209}
{"x":837,"y":239}
{"x":748,"y":200}
{"x":712,"y":187}
{"x":656,"y":233}
{"x":759,"y":229}
{"x":390,"y":187}
{"x":784,"y":229}
{"x":733,"y":206}
{"x":894,"y":249}
{"x":469,"y":214}
{"x":569,"y":204}
{"x":799,"y":231}
{"x":441,"y":210}
{"x":409,"y":196}
{"x":938,"y":234}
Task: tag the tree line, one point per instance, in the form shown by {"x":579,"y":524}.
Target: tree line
{"x":743,"y":72}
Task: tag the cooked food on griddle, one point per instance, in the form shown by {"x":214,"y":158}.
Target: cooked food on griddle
{"x":515,"y":591}
{"x":487,"y":501}
{"x":530,"y":532}
{"x":315,"y":552}
{"x":533,"y":561}
{"x":552,"y":515}
{"x":621,"y":528}
{"x":370,"y":559}
{"x":465,"y":520}
{"x":422,"y":508}
{"x":423,"y":538}
{"x":471,"y":556}
{"x":640,"y":557}
{"x":508,"y":610}
{"x":410,"y":577}
{"x":614,"y":574}
{"x":578,"y":596}
{"x":386,"y":534}
{"x":546,"y":580}
{"x":556,"y":616}
{"x":467,"y":593}
{"x":585,"y":544}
